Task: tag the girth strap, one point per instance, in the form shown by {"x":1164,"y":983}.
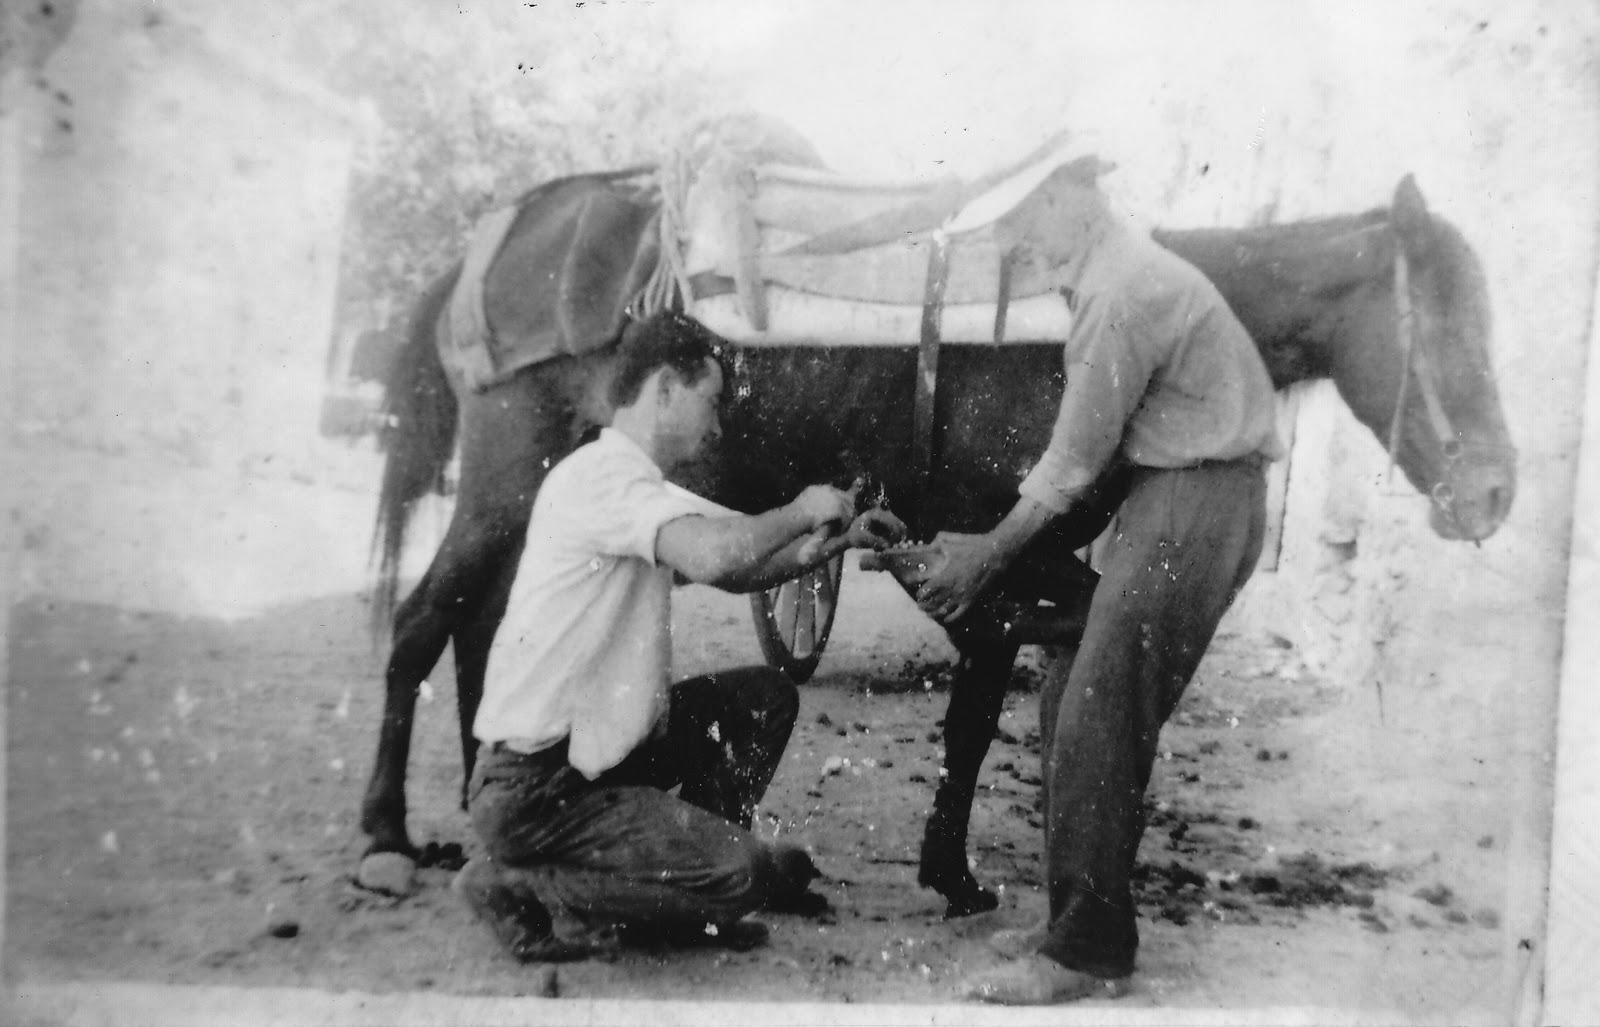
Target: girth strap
{"x":922,"y":421}
{"x":1002,"y":302}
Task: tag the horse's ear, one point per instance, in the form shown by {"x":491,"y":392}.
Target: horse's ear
{"x":1410,"y":217}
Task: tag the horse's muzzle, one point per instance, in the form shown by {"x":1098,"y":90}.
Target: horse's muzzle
{"x":1473,"y":501}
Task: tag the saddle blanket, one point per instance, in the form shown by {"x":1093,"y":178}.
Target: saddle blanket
{"x":555,"y":282}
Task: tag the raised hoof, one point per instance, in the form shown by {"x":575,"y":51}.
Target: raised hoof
{"x":388,"y":873}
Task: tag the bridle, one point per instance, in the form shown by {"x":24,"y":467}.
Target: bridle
{"x":1415,"y":364}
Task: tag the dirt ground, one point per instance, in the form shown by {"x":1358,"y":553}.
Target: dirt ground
{"x":183,"y":792}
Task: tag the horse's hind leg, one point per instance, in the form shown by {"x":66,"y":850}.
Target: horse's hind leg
{"x":509,"y":438}
{"x":424,"y":624}
{"x":419,"y":638}
{"x":471,"y":647}
{"x":976,"y":697}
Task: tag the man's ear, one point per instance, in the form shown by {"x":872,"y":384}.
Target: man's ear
{"x":664,"y":378}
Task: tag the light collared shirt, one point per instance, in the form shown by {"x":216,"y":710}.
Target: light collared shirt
{"x":585,"y":649}
{"x":1159,"y":371}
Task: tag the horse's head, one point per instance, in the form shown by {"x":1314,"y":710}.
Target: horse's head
{"x":1421,"y":377}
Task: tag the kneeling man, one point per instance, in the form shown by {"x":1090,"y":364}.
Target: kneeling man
{"x":580,"y":734}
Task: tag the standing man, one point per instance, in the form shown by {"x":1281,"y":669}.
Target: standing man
{"x":580,"y":733}
{"x":1166,"y":396}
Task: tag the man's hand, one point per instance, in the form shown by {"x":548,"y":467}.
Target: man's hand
{"x":824,"y":505}
{"x":970,"y":564}
{"x":875,"y":529}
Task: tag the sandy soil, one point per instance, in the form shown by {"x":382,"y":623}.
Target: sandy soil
{"x":182,"y":791}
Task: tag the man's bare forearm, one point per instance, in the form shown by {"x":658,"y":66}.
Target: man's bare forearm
{"x":1019,"y":527}
{"x":712,"y":551}
{"x":786,"y":563}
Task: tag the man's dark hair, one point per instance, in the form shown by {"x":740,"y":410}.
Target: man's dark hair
{"x":666,"y":339}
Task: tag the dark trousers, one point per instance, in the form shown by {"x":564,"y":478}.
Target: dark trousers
{"x":1185,"y":543}
{"x":619,"y":849}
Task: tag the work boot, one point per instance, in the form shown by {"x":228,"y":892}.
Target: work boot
{"x":789,"y":889}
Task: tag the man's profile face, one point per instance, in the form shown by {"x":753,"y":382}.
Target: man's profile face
{"x":691,"y":417}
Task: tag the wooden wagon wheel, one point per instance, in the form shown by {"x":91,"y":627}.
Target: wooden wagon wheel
{"x":793,"y":619}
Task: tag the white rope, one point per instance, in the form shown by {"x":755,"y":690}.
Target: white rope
{"x":710,"y":147}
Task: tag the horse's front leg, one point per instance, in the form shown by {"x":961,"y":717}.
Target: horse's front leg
{"x":976,"y":696}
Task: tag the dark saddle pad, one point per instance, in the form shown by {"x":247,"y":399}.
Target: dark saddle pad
{"x":551,"y":276}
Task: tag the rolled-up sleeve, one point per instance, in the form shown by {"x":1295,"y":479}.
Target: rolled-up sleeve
{"x":1110,"y":357}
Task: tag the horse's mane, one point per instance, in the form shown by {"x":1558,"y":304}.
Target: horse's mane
{"x":1290,"y":235}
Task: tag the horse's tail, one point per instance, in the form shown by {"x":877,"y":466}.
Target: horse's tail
{"x":419,"y":435}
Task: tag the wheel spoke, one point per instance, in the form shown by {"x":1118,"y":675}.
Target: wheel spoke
{"x":827,"y":591}
{"x":784,"y":612}
{"x":806,"y":614}
{"x":793,"y":620}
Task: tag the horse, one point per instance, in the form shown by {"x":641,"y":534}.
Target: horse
{"x":1391,"y":304}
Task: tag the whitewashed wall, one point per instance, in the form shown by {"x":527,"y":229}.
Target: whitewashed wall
{"x":180,"y":215}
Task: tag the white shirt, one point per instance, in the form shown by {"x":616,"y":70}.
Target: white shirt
{"x":585,"y":649}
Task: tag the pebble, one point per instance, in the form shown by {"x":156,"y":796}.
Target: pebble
{"x":388,"y":872}
{"x":283,"y":927}
{"x":231,"y":878}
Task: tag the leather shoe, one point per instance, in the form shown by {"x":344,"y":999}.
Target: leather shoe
{"x":1018,"y":942}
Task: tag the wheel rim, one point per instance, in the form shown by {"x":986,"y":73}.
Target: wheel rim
{"x":793,"y":620}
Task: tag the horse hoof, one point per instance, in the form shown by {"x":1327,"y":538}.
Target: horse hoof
{"x":389,"y":873}
{"x":962,"y":893}
{"x":970,"y":903}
